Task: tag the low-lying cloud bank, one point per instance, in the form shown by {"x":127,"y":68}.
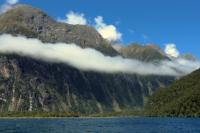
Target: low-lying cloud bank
{"x":89,"y":59}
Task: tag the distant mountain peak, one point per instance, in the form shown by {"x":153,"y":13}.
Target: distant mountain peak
{"x":143,"y":52}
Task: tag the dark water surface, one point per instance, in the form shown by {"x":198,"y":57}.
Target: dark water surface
{"x":101,"y":125}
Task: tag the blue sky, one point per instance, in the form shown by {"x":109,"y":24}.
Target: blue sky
{"x":143,"y":21}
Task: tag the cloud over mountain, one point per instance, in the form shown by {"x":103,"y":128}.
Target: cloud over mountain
{"x":74,"y":18}
{"x":89,"y":59}
{"x":108,"y":32}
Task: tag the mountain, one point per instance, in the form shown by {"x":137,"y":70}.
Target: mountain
{"x":180,"y":99}
{"x":33,"y":23}
{"x":27,"y":84}
{"x":146,"y":53}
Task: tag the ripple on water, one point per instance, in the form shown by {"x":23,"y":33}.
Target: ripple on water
{"x":96,"y":125}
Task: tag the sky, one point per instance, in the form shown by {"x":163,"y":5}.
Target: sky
{"x":159,"y":22}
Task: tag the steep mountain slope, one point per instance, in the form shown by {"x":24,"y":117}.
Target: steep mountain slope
{"x":180,"y":99}
{"x":144,"y":53}
{"x":27,"y":84}
{"x":30,"y":85}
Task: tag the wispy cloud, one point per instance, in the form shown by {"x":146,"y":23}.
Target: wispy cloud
{"x":7,"y":5}
{"x":89,"y":59}
{"x":131,"y":31}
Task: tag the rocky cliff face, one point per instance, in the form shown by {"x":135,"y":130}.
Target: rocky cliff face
{"x":30,"y":85}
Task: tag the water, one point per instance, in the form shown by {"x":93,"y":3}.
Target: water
{"x":100,"y":125}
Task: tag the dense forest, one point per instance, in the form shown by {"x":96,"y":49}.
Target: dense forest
{"x":181,"y":99}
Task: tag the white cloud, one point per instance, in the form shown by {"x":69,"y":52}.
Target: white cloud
{"x":171,"y":50}
{"x":74,"y":18}
{"x":108,"y":32}
{"x":182,"y":66}
{"x":7,"y":5}
{"x":89,"y":59}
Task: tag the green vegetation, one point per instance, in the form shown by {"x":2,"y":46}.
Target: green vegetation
{"x":182,"y":99}
{"x":118,"y":114}
{"x":38,"y":114}
{"x":66,"y":114}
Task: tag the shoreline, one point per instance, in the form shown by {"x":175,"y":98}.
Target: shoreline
{"x":51,"y":115}
{"x":1,"y":118}
{"x":72,"y":117}
{"x":113,"y":117}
